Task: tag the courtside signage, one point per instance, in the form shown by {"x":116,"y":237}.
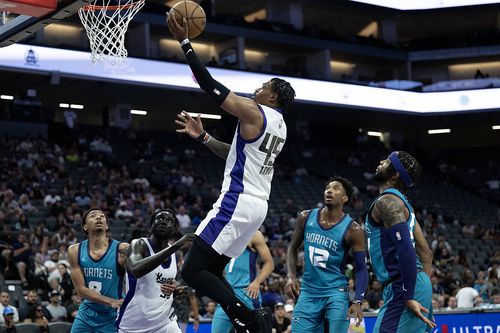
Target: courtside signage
{"x":158,"y":73}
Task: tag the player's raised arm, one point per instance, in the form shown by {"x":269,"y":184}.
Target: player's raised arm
{"x":139,"y":265}
{"x":292,"y":285}
{"x":79,"y":282}
{"x":259,"y":243}
{"x":194,"y":128}
{"x":244,"y":108}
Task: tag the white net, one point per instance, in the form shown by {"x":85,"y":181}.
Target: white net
{"x":106,"y":23}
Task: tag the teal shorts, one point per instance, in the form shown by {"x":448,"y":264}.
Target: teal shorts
{"x":310,"y":313}
{"x":394,"y":317}
{"x":221,"y":322}
{"x":90,"y":321}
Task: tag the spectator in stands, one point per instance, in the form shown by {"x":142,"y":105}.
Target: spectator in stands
{"x":72,"y":309}
{"x":466,"y":297}
{"x":183,"y":217}
{"x":31,"y":306}
{"x":25,"y":204}
{"x":51,"y":265}
{"x":23,"y":224}
{"x":210,"y":309}
{"x":39,"y":237}
{"x":57,"y":311}
{"x":37,"y":317}
{"x":481,"y":285}
{"x":4,"y":303}
{"x":51,"y":198}
{"x":65,"y":283}
{"x":22,"y":256}
{"x":272,"y":296}
{"x":281,"y":324}
{"x":60,"y":237}
{"x":374,"y":295}
{"x":461,"y":259}
{"x":469,"y":229}
{"x":82,"y":199}
{"x":123,"y":212}
{"x":452,"y":303}
{"x":8,"y":324}
{"x":437,"y":287}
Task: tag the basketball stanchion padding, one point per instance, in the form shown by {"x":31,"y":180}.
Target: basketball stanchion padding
{"x":106,"y":23}
{"x":35,"y":8}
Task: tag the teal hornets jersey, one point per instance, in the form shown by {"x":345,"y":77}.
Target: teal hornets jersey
{"x":104,"y":276}
{"x":383,"y":263}
{"x":325,"y":252}
{"x":241,"y":271}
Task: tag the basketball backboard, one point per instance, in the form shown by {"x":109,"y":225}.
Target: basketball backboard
{"x":15,"y":27}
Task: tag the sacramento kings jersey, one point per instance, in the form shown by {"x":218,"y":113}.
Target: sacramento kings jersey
{"x":103,"y":276}
{"x":325,"y":252}
{"x":250,"y":163}
{"x":146,"y":308}
{"x":385,"y":262}
{"x":241,"y":271}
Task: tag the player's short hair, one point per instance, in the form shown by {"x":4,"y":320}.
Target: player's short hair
{"x":86,"y":214}
{"x":411,"y":165}
{"x":346,"y":184}
{"x":285,"y":92}
{"x":167,"y":210}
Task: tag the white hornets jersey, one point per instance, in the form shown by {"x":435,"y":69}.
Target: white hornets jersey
{"x":146,"y":308}
{"x":250,"y":163}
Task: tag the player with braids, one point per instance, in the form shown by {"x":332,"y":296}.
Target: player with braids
{"x":151,"y":272}
{"x":400,"y":256}
{"x":242,"y":206}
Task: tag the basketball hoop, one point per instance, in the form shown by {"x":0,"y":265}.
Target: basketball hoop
{"x":106,"y":25}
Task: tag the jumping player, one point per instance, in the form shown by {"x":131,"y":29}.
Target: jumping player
{"x":241,"y":273}
{"x":242,"y":206}
{"x":393,"y":236}
{"x":151,"y":272}
{"x":328,"y":235}
{"x":97,"y":271}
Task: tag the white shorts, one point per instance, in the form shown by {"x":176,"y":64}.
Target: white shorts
{"x":232,"y":222}
{"x":171,"y":327}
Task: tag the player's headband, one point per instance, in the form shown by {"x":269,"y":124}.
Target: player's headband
{"x":403,"y":174}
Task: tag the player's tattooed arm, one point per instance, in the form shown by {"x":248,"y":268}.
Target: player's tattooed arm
{"x":389,"y":210}
{"x":123,"y":253}
{"x":220,"y":148}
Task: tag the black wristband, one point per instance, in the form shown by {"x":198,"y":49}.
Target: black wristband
{"x":201,"y":137}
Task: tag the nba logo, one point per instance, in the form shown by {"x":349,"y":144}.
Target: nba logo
{"x":398,"y":235}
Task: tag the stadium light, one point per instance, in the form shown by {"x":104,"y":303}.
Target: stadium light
{"x":139,"y":112}
{"x":373,"y":133}
{"x":496,"y":127}
{"x":7,"y":97}
{"x":425,"y":4}
{"x":204,"y":115}
{"x":439,"y":131}
{"x":76,"y":106}
{"x":64,"y":105}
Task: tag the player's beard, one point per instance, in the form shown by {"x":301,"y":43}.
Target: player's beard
{"x":382,"y":176}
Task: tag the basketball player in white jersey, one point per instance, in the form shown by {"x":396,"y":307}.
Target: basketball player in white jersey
{"x":151,"y":272}
{"x":242,"y":206}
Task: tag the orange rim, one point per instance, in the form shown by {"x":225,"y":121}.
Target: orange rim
{"x":94,"y":7}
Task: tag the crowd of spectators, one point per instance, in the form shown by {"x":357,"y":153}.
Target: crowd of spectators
{"x":46,"y":187}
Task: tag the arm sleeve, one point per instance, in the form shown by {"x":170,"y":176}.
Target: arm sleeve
{"x":211,"y":86}
{"x":361,"y":282}
{"x":399,"y":235}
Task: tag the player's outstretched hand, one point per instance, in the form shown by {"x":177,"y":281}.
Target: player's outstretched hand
{"x":292,"y":288}
{"x":168,"y":289}
{"x":189,"y":125}
{"x":253,"y":289}
{"x":185,"y":240}
{"x":180,"y":32}
{"x":180,"y":291}
{"x":356,"y":312}
{"x":417,"y":310}
{"x":116,"y":303}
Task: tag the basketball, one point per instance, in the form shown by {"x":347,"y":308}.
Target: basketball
{"x":194,"y":15}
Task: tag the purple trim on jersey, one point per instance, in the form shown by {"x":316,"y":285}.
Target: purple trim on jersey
{"x":132,"y":281}
{"x":318,"y":216}
{"x":263,"y":129}
{"x":252,"y":267}
{"x":230,"y":199}
{"x":120,"y":272}
{"x":344,"y":246}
